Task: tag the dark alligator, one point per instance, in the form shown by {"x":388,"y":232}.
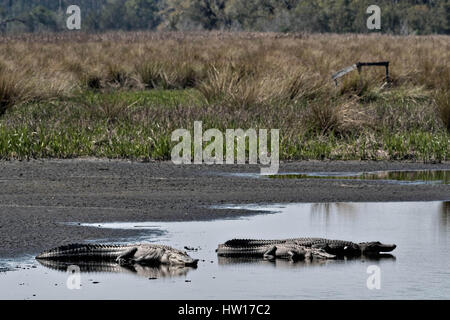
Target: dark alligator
{"x":147,"y":254}
{"x":311,"y":247}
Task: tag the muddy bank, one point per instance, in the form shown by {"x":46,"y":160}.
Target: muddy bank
{"x":36,"y":197}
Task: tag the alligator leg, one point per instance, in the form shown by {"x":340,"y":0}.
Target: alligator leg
{"x":296,"y":255}
{"x":319,"y":254}
{"x":126,"y":256}
{"x":129,"y":267}
{"x":270,"y":254}
{"x":281,"y":251}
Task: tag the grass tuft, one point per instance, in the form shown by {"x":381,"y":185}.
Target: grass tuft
{"x":13,"y":91}
{"x":442,"y":99}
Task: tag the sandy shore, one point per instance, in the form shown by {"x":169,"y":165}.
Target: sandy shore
{"x":37,"y":197}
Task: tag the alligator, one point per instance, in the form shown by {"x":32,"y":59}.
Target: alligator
{"x":264,"y":248}
{"x":276,"y":250}
{"x":145,"y":254}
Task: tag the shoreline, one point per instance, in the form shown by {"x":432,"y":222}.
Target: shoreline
{"x":37,"y":197}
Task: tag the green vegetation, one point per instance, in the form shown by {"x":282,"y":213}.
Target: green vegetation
{"x":126,"y":104}
{"x":339,"y":16}
{"x":138,"y":125}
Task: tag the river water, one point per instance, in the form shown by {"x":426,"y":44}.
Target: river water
{"x":417,"y":269}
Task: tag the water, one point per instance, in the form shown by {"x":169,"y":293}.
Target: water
{"x":418,"y":269}
{"x":397,"y":176}
{"x":401,"y":176}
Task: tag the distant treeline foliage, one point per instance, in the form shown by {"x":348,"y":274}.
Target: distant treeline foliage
{"x":338,"y":16}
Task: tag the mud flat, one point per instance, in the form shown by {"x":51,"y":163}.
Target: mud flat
{"x":38,"y":198}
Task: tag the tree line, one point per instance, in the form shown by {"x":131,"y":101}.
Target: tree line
{"x":337,"y":16}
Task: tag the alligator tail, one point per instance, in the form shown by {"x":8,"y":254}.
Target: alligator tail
{"x":77,"y":251}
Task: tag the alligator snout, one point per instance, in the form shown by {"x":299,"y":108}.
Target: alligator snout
{"x":192,"y":263}
{"x":376,"y":247}
{"x":388,"y":247}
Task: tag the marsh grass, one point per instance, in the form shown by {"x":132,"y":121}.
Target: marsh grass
{"x":150,"y":74}
{"x":13,"y":90}
{"x":92,"y":81}
{"x":176,"y":75}
{"x":120,"y":95}
{"x":116,"y":75}
{"x":442,"y":99}
{"x":109,"y":108}
{"x":230,"y":88}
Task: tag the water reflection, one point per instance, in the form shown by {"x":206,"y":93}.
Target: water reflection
{"x":279,"y":263}
{"x":162,"y":271}
{"x":413,"y":176}
{"x":438,"y":176}
{"x":286,"y":263}
{"x":445,"y":216}
{"x":327,"y":208}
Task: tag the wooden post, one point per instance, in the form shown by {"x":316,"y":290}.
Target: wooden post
{"x":359,"y":66}
{"x":370,"y":64}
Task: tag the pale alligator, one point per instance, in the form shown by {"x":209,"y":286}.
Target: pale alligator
{"x":148,"y":254}
{"x":313,"y":247}
{"x":276,"y":250}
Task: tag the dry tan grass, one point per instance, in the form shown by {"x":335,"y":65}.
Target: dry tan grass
{"x":298,"y":60}
{"x":239,"y":70}
{"x":14,"y":89}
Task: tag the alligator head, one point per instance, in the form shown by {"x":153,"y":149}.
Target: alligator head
{"x":375,"y":247}
{"x":176,"y":257}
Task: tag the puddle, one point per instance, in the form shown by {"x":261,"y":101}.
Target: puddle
{"x":417,"y":269}
{"x":402,"y":177}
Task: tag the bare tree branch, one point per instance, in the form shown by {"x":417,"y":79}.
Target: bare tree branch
{"x":5,"y":22}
